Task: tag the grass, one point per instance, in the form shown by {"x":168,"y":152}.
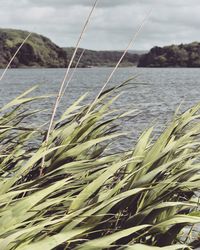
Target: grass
{"x":88,"y":198}
{"x":69,"y":192}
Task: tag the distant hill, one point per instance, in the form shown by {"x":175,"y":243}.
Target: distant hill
{"x":183,"y":55}
{"x":92,"y":58}
{"x":40,"y":51}
{"x":138,"y":52}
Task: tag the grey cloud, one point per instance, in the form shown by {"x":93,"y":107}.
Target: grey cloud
{"x":65,"y":3}
{"x":112,"y":24}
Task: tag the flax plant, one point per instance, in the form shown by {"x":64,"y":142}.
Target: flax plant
{"x":69,"y":192}
{"x":87,"y":198}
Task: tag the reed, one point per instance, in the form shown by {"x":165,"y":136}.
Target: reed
{"x":13,"y":57}
{"x":62,"y":86}
{"x":87,"y":198}
{"x":68,"y":192}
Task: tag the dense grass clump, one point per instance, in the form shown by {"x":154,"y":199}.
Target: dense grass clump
{"x":86,"y":198}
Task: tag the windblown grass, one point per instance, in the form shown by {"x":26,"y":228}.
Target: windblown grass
{"x":68,"y":192}
{"x":87,"y":198}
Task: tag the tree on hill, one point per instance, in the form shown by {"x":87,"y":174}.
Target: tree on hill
{"x":187,"y":55}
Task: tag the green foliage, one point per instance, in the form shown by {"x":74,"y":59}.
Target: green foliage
{"x":183,"y":55}
{"x":88,"y":198}
{"x":93,"y":58}
{"x":38,"y":51}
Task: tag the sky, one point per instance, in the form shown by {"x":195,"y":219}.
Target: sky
{"x":113,"y":22}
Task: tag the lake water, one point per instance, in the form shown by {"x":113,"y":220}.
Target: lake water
{"x":155,"y":92}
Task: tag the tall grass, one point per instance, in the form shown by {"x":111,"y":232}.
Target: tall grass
{"x":90,"y":199}
{"x":62,"y":88}
{"x":68,"y":192}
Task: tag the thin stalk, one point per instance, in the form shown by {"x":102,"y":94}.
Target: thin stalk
{"x":64,"y":80}
{"x":118,"y":63}
{"x":71,"y":76}
{"x":17,"y":51}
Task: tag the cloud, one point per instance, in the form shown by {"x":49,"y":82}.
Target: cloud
{"x":67,"y":3}
{"x":112,"y":24}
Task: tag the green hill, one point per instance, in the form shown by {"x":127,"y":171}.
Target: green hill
{"x":183,"y":55}
{"x":39,"y":51}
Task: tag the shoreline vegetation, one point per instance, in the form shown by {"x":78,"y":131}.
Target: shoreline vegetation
{"x":183,"y":55}
{"x":41,"y":52}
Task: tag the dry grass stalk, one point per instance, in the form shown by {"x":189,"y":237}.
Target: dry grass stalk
{"x":120,"y":60}
{"x":11,"y":60}
{"x":73,"y":72}
{"x":64,"y":80}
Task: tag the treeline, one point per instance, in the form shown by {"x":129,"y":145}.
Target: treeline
{"x":93,"y":58}
{"x":40,"y":51}
{"x":183,"y":55}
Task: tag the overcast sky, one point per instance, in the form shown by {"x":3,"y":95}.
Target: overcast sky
{"x":112,"y":24}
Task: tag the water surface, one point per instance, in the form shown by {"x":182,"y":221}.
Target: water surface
{"x":155,"y":92}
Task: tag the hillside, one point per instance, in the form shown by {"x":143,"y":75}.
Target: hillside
{"x":183,"y":55}
{"x":92,"y":58}
{"x":40,"y":51}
